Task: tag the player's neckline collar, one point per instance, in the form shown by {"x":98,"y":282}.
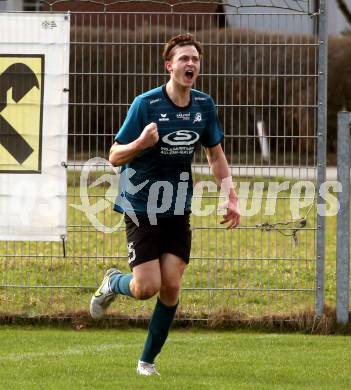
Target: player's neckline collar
{"x":173,"y":104}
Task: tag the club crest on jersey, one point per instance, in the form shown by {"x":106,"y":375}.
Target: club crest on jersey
{"x":198,"y":117}
{"x":181,"y":137}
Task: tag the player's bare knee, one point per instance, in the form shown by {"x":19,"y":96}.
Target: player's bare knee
{"x":146,"y":293}
{"x":145,"y":290}
{"x":170,"y":290}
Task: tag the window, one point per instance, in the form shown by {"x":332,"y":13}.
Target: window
{"x":32,"y":5}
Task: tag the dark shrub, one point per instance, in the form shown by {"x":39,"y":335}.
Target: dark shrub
{"x":251,"y":77}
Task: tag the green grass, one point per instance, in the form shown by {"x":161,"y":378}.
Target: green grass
{"x":247,"y":270}
{"x":41,"y":358}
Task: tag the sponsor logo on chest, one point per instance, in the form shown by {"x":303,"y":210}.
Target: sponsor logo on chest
{"x":179,"y":143}
{"x":181,"y":137}
{"x":183,"y":115}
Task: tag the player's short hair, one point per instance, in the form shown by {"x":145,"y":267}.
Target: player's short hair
{"x":180,"y":40}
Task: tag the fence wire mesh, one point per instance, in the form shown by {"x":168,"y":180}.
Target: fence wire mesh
{"x":263,"y":80}
{"x":304,"y":6}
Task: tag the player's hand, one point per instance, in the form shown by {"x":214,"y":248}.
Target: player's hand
{"x":232,"y":217}
{"x":149,"y":136}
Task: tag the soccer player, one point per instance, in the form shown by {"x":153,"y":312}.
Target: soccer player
{"x":155,"y":145}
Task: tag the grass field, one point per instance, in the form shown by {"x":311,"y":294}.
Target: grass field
{"x":247,"y":271}
{"x":44,"y":358}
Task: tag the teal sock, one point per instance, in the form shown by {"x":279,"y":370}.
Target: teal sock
{"x":160,"y":323}
{"x":120,"y":284}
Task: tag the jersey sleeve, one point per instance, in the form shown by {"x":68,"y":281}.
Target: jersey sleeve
{"x":133,"y":124}
{"x":213,"y":133}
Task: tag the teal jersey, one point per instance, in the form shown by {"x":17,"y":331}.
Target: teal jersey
{"x":159,"y":179}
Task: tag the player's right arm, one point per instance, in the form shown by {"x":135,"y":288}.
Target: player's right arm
{"x":123,"y":153}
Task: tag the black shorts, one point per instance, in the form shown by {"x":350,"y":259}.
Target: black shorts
{"x":148,"y":242}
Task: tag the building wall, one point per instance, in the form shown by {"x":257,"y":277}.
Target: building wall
{"x":288,"y":24}
{"x":336,"y":25}
{"x":189,"y":16}
{"x":11,"y":5}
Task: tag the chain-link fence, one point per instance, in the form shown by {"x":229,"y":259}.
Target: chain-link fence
{"x":269,"y":87}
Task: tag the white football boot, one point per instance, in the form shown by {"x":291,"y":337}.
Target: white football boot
{"x":146,"y":369}
{"x":103,"y":296}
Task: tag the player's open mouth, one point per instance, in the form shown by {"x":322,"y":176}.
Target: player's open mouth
{"x":189,"y":74}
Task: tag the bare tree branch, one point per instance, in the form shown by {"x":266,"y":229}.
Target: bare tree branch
{"x":344,"y":9}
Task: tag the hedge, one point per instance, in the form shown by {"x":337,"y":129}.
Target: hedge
{"x":251,"y":76}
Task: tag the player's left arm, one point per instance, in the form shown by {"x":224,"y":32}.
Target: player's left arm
{"x":219,"y":166}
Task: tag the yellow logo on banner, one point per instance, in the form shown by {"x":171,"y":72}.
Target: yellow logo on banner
{"x":21,"y":103}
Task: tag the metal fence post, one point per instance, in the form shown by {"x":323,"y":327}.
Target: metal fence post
{"x":321,"y":152}
{"x":343,"y":226}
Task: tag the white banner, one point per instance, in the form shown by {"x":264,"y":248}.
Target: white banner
{"x":34,"y":68}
